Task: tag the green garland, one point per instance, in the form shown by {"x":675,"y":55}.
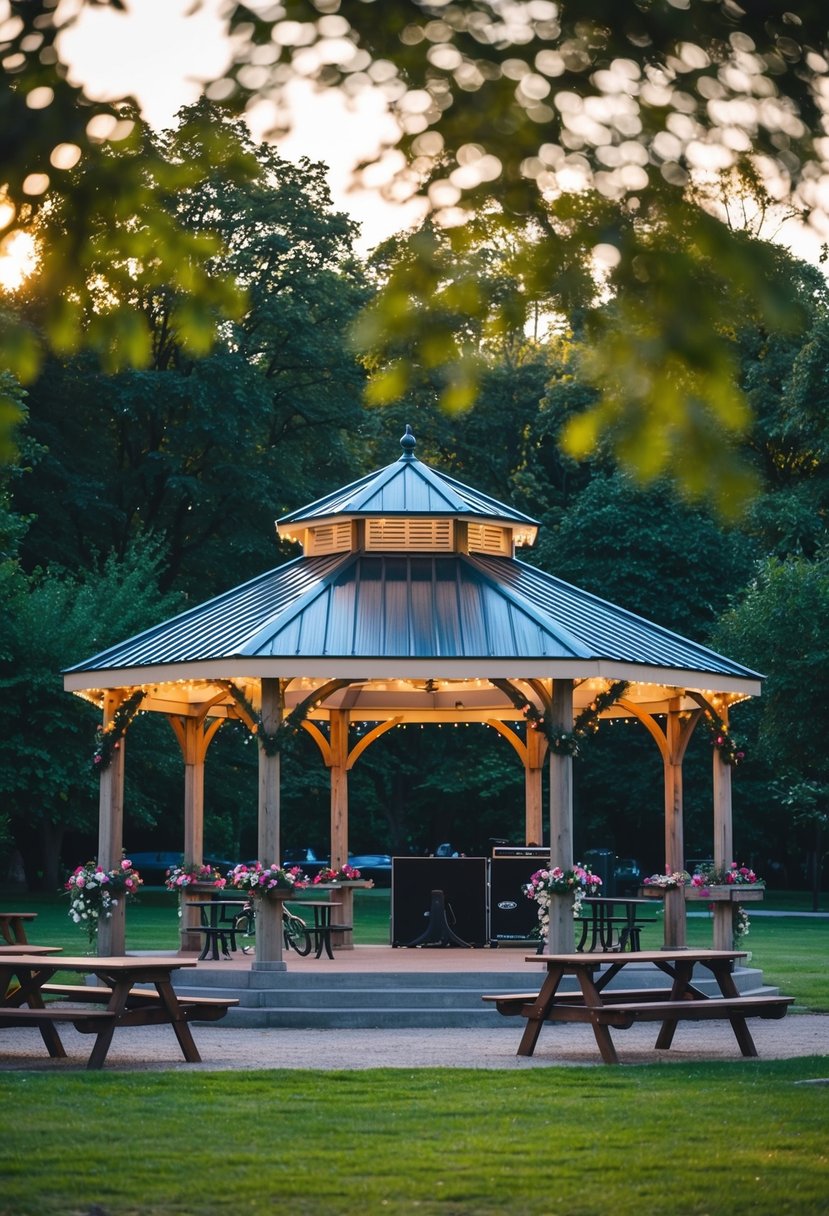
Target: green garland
{"x":568,"y":742}
{"x":110,"y":736}
{"x":273,"y":741}
{"x":731,"y":752}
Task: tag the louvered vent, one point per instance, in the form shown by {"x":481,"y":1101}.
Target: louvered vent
{"x":402,"y":535}
{"x":488,"y":538}
{"x":329,"y":538}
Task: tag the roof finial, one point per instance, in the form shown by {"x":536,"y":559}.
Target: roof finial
{"x":407,"y":443}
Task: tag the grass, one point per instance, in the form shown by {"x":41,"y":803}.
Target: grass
{"x":693,"y":1139}
{"x":696,"y":1140}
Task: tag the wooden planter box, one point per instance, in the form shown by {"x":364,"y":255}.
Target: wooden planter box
{"x":735,"y":893}
{"x":654,"y":892}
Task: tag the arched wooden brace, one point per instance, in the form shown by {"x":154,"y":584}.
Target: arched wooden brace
{"x":194,"y":738}
{"x":672,"y":743}
{"x":531,"y":754}
{"x":111,"y":937}
{"x":339,"y":760}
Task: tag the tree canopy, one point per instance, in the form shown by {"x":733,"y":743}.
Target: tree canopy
{"x":588,"y":133}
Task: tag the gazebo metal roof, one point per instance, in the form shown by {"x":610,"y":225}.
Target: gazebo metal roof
{"x":375,"y":617}
{"x":407,"y":487}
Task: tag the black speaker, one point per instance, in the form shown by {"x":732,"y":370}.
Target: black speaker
{"x":463,"y":881}
{"x":512,"y":917}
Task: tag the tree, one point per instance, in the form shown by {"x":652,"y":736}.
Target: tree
{"x":55,"y":619}
{"x":205,"y":451}
{"x":779,"y":626}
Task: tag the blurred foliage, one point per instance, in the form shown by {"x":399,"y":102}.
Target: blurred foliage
{"x":584,"y":135}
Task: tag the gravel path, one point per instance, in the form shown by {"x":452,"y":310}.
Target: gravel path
{"x":154,"y":1049}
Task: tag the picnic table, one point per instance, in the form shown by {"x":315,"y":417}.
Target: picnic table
{"x":116,"y":1002}
{"x":323,"y":926}
{"x":602,"y":1008}
{"x":612,"y":922}
{"x":218,"y":924}
{"x":12,"y":926}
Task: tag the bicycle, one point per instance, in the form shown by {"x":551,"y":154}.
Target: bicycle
{"x":294,"y":930}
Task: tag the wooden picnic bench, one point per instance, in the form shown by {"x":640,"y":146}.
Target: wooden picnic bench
{"x":121,"y":1002}
{"x":593,"y":1004}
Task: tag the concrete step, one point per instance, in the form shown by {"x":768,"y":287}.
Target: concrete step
{"x":355,"y":1000}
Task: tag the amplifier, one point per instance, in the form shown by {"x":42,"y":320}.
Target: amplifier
{"x":464,"y":886}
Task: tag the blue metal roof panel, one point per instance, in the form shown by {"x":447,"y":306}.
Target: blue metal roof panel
{"x":220,"y":627}
{"x":406,"y":487}
{"x":605,"y":630}
{"x":410,"y":606}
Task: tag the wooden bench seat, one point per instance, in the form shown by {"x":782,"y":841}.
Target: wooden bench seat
{"x":510,"y":1003}
{"x":139,"y":997}
{"x":624,"y":1015}
{"x":23,"y":1016}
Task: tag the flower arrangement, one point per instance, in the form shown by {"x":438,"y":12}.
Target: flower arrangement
{"x":180,"y":877}
{"x":545,"y":883}
{"x":668,"y":881}
{"x":345,"y":873}
{"x":726,"y":876}
{"x":257,"y":879}
{"x":93,"y":892}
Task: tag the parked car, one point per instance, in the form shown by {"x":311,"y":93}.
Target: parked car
{"x":153,"y":867}
{"x":306,"y":859}
{"x":374,"y":866}
{"x":628,"y":875}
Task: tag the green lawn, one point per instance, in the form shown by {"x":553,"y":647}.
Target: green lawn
{"x":690,"y":1139}
{"x":695,"y":1140}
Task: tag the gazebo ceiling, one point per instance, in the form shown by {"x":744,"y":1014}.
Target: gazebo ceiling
{"x":418,"y":618}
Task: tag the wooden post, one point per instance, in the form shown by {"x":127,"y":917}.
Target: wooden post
{"x":561,"y":936}
{"x":269,"y":912}
{"x":723,"y":852}
{"x":339,"y":719}
{"x":112,"y":932}
{"x":193,"y":822}
{"x":675,"y":922}
{"x":533,"y":771}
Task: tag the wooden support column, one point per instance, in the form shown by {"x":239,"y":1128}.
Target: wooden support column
{"x":723,"y":852}
{"x":533,"y":772}
{"x":112,"y":932}
{"x":338,"y":738}
{"x":675,"y":922}
{"x":194,"y":740}
{"x":561,"y":939}
{"x":269,"y":912}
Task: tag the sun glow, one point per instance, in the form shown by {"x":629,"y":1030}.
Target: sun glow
{"x":18,"y":257}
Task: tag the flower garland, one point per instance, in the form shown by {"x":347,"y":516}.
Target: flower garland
{"x":731,"y":752}
{"x":273,"y":741}
{"x":93,"y":892}
{"x":545,"y":883}
{"x":257,"y":879}
{"x":740,"y":925}
{"x":568,"y":742}
{"x":110,"y":736}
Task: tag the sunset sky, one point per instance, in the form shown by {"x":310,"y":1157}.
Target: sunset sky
{"x":161,"y":55}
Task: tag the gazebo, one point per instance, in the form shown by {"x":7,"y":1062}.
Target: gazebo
{"x":408,"y":605}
